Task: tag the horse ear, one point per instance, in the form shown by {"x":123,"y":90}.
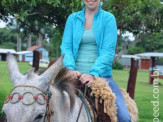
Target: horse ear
{"x":52,"y":71}
{"x":31,"y":73}
{"x":13,"y":68}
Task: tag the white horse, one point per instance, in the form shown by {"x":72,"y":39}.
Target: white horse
{"x":30,"y":99}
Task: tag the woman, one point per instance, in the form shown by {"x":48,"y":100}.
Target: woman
{"x":89,"y":42}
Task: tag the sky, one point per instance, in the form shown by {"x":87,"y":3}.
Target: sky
{"x":129,"y":36}
{"x":2,"y":24}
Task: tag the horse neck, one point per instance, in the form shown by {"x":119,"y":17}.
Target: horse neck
{"x":60,"y":105}
{"x":60,"y":102}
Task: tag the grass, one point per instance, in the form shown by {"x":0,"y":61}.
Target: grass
{"x":5,"y":84}
{"x":143,"y":90}
{"x":143,"y":93}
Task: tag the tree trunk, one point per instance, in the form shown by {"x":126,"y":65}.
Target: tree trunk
{"x":29,"y":40}
{"x":40,"y":40}
{"x":19,"y":41}
{"x":126,"y":46}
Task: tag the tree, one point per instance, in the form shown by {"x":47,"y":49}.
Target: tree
{"x":136,"y":16}
{"x":8,"y":45}
{"x":36,"y":15}
{"x":140,"y":17}
{"x":7,"y":39}
{"x":152,"y":42}
{"x":135,"y":50}
{"x":45,"y":12}
{"x":55,"y":43}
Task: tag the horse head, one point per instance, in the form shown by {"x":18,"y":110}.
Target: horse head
{"x":28,"y":100}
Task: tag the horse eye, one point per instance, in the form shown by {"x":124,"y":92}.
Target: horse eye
{"x":39,"y":117}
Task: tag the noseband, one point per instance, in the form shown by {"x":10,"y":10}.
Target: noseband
{"x":44,"y":95}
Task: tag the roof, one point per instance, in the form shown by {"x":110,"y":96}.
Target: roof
{"x":129,"y":56}
{"x":23,"y":52}
{"x":150,"y":54}
{"x":33,"y":47}
{"x":7,"y":50}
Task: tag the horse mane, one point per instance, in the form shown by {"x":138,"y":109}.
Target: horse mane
{"x":64,"y":82}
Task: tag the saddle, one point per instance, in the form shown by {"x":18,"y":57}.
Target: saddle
{"x":96,"y":108}
{"x":95,"y":105}
{"x":101,"y":101}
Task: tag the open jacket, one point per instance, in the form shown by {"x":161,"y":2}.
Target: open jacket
{"x":105,"y":30}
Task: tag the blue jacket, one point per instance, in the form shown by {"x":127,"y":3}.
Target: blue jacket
{"x":105,"y":29}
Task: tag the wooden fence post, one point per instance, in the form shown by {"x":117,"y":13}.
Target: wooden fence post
{"x":132,"y":77}
{"x":36,"y":58}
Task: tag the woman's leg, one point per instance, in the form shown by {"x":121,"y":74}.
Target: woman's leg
{"x":122,"y":111}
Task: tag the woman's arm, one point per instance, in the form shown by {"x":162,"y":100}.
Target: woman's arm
{"x":107,"y":51}
{"x":67,"y":44}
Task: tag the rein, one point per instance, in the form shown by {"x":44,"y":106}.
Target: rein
{"x":82,"y":98}
{"x":45,"y":95}
{"x":80,"y":95}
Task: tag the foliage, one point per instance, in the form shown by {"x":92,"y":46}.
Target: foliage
{"x":140,"y":17}
{"x":8,"y":39}
{"x":151,"y":42}
{"x":8,"y":45}
{"x":33,"y":13}
{"x":132,"y":15}
{"x":7,"y":36}
{"x":136,"y":15}
{"x":55,"y":43}
{"x":159,"y":61}
{"x":135,"y":50}
{"x":38,"y":17}
{"x":117,"y":66}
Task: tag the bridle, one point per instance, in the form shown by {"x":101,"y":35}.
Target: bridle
{"x":44,"y":95}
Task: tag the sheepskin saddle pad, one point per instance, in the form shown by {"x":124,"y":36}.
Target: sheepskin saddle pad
{"x":101,"y":102}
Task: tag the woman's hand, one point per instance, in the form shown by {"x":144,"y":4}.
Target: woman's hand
{"x":74,"y":74}
{"x":86,"y":78}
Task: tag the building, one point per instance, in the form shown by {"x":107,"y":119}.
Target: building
{"x":27,"y":56}
{"x":148,"y":58}
{"x":3,"y":53}
{"x":144,"y":60}
{"x":125,"y":60}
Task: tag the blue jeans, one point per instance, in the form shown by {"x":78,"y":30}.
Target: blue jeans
{"x":122,"y":111}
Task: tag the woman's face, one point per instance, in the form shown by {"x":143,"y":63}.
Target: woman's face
{"x":91,"y":4}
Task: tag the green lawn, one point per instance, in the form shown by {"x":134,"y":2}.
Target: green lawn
{"x":5,"y":84}
{"x":143,"y":91}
